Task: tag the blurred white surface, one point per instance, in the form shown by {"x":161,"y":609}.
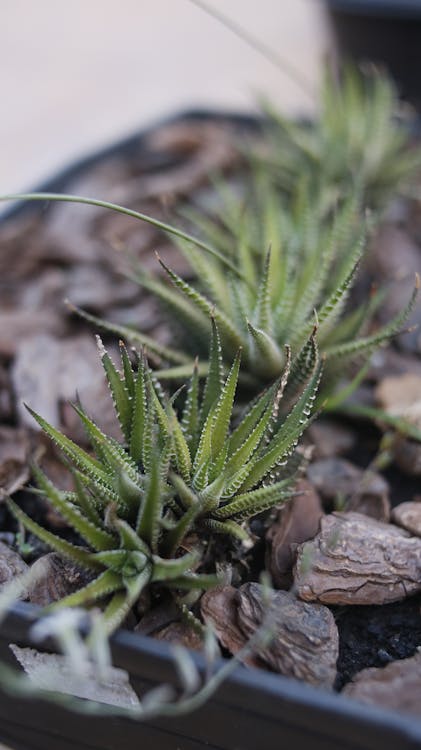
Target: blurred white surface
{"x":74,"y":76}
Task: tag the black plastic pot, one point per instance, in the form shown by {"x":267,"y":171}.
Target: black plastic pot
{"x":254,"y":709}
{"x":382,"y":31}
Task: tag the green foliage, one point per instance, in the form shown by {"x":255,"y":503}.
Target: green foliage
{"x":298,"y":270}
{"x":360,"y":137}
{"x":176,"y":481}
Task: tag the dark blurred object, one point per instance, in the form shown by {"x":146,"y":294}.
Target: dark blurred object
{"x":382,"y":31}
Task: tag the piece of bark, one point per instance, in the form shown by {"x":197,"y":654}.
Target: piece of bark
{"x":374,"y":501}
{"x":338,"y":480}
{"x":181,"y":634}
{"x":358,"y":560}
{"x":400,"y":396}
{"x":54,"y":578}
{"x":11,"y":564}
{"x":330,"y":438}
{"x":35,"y":376}
{"x":14,"y":457}
{"x":408,"y":515}
{"x":95,"y":289}
{"x":391,"y":362}
{"x":297,"y":521}
{"x":395,"y":258}
{"x":48,"y":373}
{"x":396,"y":686}
{"x":16,"y":325}
{"x":305,"y":642}
{"x":157,"y":618}
{"x":6,"y":397}
{"x":219,"y":610}
{"x":407,"y":455}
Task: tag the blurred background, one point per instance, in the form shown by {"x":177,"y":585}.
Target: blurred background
{"x":74,"y":76}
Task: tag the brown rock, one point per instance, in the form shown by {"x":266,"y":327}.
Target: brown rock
{"x":182,"y":634}
{"x":396,"y":686}
{"x":305,"y":644}
{"x":14,"y":457}
{"x":54,"y":578}
{"x":11,"y":564}
{"x":358,"y":560}
{"x":297,"y":522}
{"x":339,"y":481}
{"x":408,"y":515}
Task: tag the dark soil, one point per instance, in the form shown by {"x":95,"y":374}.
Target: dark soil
{"x":375,"y":636}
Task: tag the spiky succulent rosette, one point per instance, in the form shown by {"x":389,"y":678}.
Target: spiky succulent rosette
{"x":137,"y":504}
{"x":361,"y":135}
{"x":309,"y":269}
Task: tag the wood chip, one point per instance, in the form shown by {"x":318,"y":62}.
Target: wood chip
{"x":340,"y":481}
{"x":11,"y":564}
{"x":330,"y":438}
{"x":297,"y":521}
{"x":407,"y":455}
{"x":400,"y":396}
{"x":48,"y":373}
{"x":54,"y":578}
{"x":358,"y":560}
{"x":14,"y":456}
{"x":182,"y":634}
{"x":408,"y":515}
{"x":219,"y":610}
{"x":396,"y":686}
{"x":304,"y":644}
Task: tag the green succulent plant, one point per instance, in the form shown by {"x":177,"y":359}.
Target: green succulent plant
{"x":296,"y":269}
{"x":137,"y":504}
{"x":361,"y":135}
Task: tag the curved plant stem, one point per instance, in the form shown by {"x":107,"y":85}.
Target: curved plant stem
{"x":168,"y":228}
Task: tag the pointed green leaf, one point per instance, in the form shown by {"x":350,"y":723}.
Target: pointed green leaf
{"x":166,"y":570}
{"x":119,"y":392}
{"x":77,"y":554}
{"x":151,"y":509}
{"x":231,"y":528}
{"x":105,"y":584}
{"x":96,"y":537}
{"x":249,"y":504}
{"x":267,"y":358}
